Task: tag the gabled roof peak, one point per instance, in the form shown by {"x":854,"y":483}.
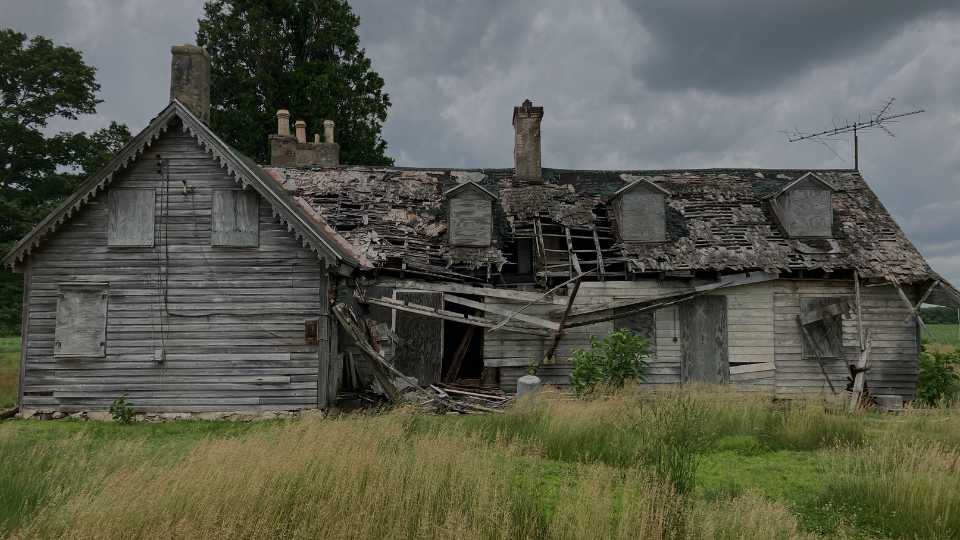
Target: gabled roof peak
{"x":469,"y":185}
{"x":808,"y":176}
{"x":635,"y":182}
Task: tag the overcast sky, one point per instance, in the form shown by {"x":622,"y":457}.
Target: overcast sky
{"x":625,"y":84}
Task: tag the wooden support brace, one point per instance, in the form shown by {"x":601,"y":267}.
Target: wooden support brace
{"x":856,"y":292}
{"x":558,"y":335}
{"x":501,"y":311}
{"x":819,"y":360}
{"x":455,"y":317}
{"x":574,"y":261}
{"x":914,"y":313}
{"x":916,"y":310}
{"x":374,"y":360}
{"x":596,"y":243}
{"x":860,"y":378}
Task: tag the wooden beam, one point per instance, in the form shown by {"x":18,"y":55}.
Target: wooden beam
{"x":916,"y":310}
{"x":596,"y":243}
{"x":574,"y":261}
{"x":461,"y":353}
{"x":558,"y":335}
{"x":813,"y":345}
{"x":856,"y":292}
{"x":913,"y":313}
{"x":374,"y":360}
{"x":842,"y":307}
{"x":451,"y":316}
{"x":520,"y":296}
{"x":614,"y":316}
{"x":501,"y":311}
{"x":860,"y":378}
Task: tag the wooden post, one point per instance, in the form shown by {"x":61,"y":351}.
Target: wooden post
{"x":558,"y":335}
{"x":454,"y":368}
{"x":860,"y":378}
{"x":856,"y":292}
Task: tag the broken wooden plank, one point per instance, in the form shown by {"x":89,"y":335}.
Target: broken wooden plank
{"x":455,"y":317}
{"x":913,"y":313}
{"x":573,"y":256}
{"x":819,"y":360}
{"x":734,"y":280}
{"x":825,"y":312}
{"x":374,"y":360}
{"x":520,"y":296}
{"x":558,"y":335}
{"x":860,"y":378}
{"x":501,"y":311}
{"x":594,"y":320}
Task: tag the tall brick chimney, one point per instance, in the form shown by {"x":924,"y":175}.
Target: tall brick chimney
{"x":526,"y":147}
{"x":190,"y":79}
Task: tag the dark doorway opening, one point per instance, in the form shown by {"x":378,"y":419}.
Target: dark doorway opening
{"x":471,"y":366}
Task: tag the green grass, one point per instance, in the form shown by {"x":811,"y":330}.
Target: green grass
{"x":607,"y":467}
{"x":9,"y":370}
{"x":945,"y":334}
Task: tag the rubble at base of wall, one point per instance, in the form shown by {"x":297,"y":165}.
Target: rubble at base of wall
{"x":160,"y":418}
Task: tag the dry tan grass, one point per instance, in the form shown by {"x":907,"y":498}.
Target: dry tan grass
{"x":750,"y":517}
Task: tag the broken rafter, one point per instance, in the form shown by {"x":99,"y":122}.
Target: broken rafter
{"x":501,"y":311}
{"x":453,"y":316}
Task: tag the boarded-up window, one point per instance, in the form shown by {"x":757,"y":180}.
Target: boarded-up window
{"x":470,"y":219}
{"x":643,"y":323}
{"x":640,"y":212}
{"x":81,"y":320}
{"x":131,"y":213}
{"x":823,"y":337}
{"x":703,"y":333}
{"x":805,"y":209}
{"x":236,"y":218}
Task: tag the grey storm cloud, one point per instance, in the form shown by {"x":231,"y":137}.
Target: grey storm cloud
{"x":626,"y":84}
{"x":744,"y":46}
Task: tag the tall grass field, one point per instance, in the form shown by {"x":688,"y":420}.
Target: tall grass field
{"x":698,"y":462}
{"x":9,"y":371}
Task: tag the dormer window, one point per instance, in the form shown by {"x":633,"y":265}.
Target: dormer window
{"x":804,"y":208}
{"x":470,"y":218}
{"x":640,"y":212}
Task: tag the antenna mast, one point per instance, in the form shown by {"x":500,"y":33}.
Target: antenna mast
{"x":877,"y":121}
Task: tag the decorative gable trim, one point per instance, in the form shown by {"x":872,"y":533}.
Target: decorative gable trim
{"x":244,"y":171}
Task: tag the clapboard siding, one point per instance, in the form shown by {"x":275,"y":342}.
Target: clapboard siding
{"x":233,"y":329}
{"x":893,"y":355}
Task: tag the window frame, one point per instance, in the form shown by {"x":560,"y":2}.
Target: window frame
{"x":83,"y":318}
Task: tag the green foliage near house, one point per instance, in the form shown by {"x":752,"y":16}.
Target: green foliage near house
{"x":40,"y":81}
{"x":938,"y":379}
{"x":615,"y":360}
{"x":299,"y":55}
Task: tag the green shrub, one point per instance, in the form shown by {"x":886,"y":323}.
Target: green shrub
{"x":938,"y":377}
{"x":613,"y":361}
{"x":122,"y":410}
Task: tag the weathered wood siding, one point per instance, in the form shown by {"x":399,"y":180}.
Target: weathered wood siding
{"x":233,"y":333}
{"x":893,"y":359}
{"x":703,"y":327}
{"x":750,"y":335}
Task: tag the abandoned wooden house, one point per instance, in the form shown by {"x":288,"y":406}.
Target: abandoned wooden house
{"x":193,"y":279}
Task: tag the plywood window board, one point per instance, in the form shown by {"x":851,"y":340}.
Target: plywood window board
{"x":131,"y":214}
{"x":235,"y":218}
{"x":825,"y":335}
{"x":470,"y":216}
{"x":81,"y":320}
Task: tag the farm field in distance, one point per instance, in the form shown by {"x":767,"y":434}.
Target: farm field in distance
{"x":697,"y":462}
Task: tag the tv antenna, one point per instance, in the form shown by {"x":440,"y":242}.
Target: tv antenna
{"x":877,"y":121}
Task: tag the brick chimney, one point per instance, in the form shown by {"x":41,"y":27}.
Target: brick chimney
{"x":287,"y":150}
{"x":190,"y":79}
{"x":526,"y":148}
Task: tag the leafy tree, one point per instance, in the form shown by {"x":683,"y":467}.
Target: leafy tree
{"x":38,"y":82}
{"x":300,"y":55}
{"x":939,"y":315}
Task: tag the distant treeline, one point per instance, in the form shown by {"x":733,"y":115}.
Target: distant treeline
{"x":939,"y":315}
